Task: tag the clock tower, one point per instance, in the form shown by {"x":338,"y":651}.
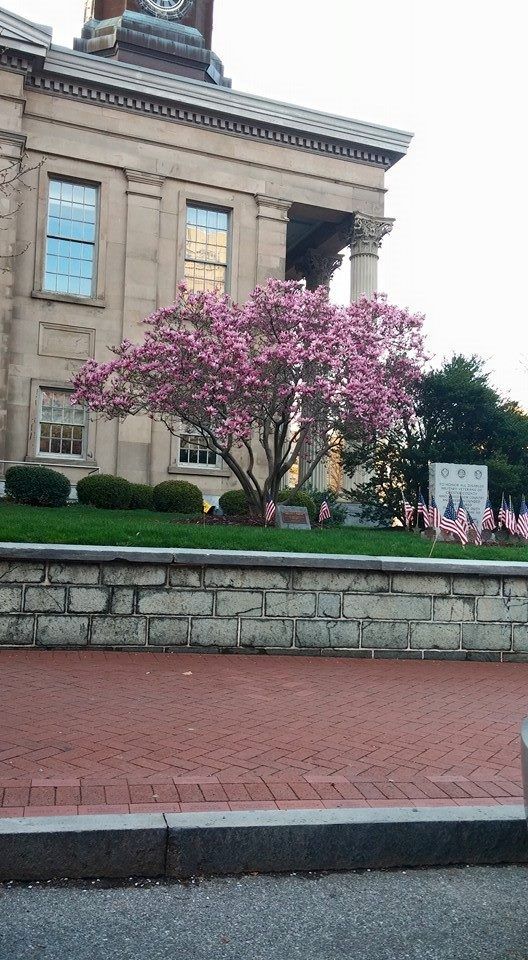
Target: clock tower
{"x":174,"y":36}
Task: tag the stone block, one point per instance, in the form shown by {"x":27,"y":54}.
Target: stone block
{"x":80,"y":847}
{"x":168,"y":631}
{"x":386,"y":608}
{"x":329,"y":605}
{"x":435,"y":636}
{"x":290,"y":604}
{"x":454,"y":609}
{"x":62,"y":631}
{"x":134,"y":574}
{"x":238,"y":578}
{"x":239,"y":603}
{"x":119,"y":631}
{"x":81,"y":573}
{"x":476,"y":586}
{"x":45,"y":599}
{"x":426,"y":584}
{"x":16,"y":631}
{"x":122,"y":600}
{"x":266,"y":633}
{"x":10,"y":599}
{"x":177,"y":602}
{"x":509,"y":610}
{"x":349,"y":581}
{"x":515,"y":587}
{"x":212,"y":632}
{"x":486,"y":636}
{"x":21,"y":571}
{"x":377,"y":635}
{"x":89,"y":599}
{"x":325,"y":633}
{"x":185,"y":577}
{"x":520,"y":639}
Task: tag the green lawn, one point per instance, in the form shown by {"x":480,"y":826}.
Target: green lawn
{"x":84,"y":525}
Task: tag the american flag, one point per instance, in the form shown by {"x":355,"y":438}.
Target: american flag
{"x":522,"y":521}
{"x":511,"y":520}
{"x":502,"y":512}
{"x":450,"y":524}
{"x":423,"y":511}
{"x":477,"y":536}
{"x":324,"y":512}
{"x":462,"y":515}
{"x":271,"y":510}
{"x":408,"y":512}
{"x":488,"y":520}
{"x":434,"y":514}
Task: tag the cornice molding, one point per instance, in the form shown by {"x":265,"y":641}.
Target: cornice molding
{"x":87,"y":78}
{"x":24,"y":36}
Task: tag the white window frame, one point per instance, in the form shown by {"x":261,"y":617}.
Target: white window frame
{"x":68,"y":457}
{"x":186,"y":430}
{"x":59,"y":178}
{"x":211,"y":208}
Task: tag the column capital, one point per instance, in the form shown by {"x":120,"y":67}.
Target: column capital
{"x":272,"y":208}
{"x":318,"y":268}
{"x":367,"y":233}
{"x":144,"y":184}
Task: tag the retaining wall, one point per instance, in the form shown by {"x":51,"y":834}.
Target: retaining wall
{"x":161,"y":600}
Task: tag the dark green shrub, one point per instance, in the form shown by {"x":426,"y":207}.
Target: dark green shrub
{"x":234,"y":503}
{"x":299,"y":499}
{"x":142,"y":497}
{"x":177,"y":496}
{"x":104,"y":491}
{"x":38,"y":486}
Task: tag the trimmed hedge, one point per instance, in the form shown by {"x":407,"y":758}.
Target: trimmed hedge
{"x":234,"y":503}
{"x":299,"y":499}
{"x":105,"y":491}
{"x":37,"y":486}
{"x":177,"y":496}
{"x":142,"y":497}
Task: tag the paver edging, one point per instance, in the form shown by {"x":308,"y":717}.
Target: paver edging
{"x":186,"y":845}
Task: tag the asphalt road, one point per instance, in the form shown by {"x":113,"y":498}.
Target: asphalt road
{"x":456,"y":914}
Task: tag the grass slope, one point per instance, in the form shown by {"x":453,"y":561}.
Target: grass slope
{"x":84,"y":525}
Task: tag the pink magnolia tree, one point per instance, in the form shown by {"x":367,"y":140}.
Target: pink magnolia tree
{"x":281,"y":379}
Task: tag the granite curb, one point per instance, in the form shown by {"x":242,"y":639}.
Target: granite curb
{"x":236,"y":558}
{"x":181,"y":846}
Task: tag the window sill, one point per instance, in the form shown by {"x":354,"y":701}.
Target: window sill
{"x":68,"y":298}
{"x":198,"y":472}
{"x":80,"y":464}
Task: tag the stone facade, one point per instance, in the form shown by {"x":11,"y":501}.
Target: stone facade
{"x":298,"y":187}
{"x":67,"y":598}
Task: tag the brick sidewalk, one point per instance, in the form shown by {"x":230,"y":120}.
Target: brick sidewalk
{"x":94,"y":732}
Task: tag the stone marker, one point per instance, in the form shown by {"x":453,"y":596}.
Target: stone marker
{"x":292,"y":518}
{"x":468,"y":480}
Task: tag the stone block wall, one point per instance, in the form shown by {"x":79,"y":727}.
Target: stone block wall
{"x":54,"y":597}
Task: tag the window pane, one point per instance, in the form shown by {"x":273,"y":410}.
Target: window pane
{"x":206,"y":254}
{"x":57,"y":433}
{"x":194,"y":450}
{"x":71,"y":236}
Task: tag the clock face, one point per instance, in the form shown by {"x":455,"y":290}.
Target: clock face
{"x":168,"y":9}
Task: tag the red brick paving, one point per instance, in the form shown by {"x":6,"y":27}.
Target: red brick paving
{"x":93,"y":732}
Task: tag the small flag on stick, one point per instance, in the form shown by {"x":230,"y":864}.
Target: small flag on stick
{"x":450,"y":524}
{"x":434,"y":515}
{"x":423,"y":511}
{"x":522,"y":520}
{"x":408,"y":512}
{"x":477,"y":536}
{"x":271,"y":510}
{"x":462,"y":516}
{"x":511,"y":519}
{"x":488,"y":520}
{"x":324,"y":512}
{"x":502,"y":512}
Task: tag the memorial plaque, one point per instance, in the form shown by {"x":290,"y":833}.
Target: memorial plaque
{"x":292,"y":518}
{"x":460,"y":479}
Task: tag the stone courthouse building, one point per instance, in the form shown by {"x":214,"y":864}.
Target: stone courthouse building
{"x":143,"y":167}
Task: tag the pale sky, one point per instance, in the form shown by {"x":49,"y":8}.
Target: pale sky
{"x":454,"y":74}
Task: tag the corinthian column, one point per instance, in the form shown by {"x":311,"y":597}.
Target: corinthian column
{"x":365,"y":240}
